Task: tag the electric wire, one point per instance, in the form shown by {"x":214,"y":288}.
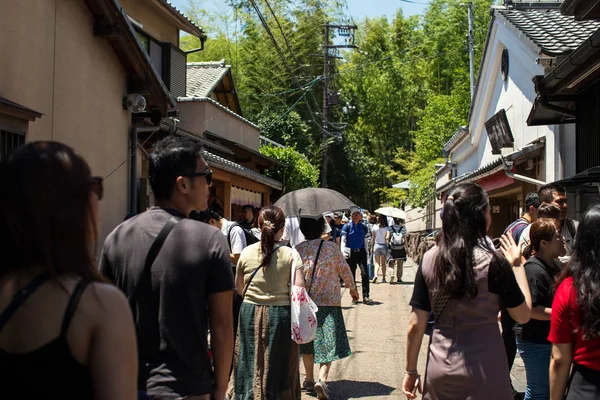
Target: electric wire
{"x":281,"y":55}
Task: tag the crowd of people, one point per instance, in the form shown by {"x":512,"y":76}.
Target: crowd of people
{"x":544,"y":284}
{"x":184,"y":304}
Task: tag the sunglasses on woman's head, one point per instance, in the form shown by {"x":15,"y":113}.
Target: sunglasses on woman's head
{"x":98,"y":186}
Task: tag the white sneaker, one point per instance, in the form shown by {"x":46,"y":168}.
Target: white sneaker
{"x":322,"y":390}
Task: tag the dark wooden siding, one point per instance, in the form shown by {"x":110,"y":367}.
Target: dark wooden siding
{"x":588,"y":128}
{"x":175,"y":70}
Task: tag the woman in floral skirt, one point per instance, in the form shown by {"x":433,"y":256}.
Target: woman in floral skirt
{"x":323,"y":285}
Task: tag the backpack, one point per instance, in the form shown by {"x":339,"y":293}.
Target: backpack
{"x":347,"y":228}
{"x":396,"y":239}
{"x":250,"y":238}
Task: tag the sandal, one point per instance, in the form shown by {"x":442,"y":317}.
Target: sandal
{"x":309,"y":386}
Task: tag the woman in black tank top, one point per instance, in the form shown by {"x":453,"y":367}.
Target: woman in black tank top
{"x":63,"y":332}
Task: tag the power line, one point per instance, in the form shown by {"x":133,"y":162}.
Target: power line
{"x":281,"y":55}
{"x":415,"y":2}
{"x":293,"y":105}
{"x":281,"y":93}
{"x":298,"y":63}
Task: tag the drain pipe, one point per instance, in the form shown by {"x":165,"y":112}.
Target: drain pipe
{"x":133,"y":180}
{"x":524,"y":178}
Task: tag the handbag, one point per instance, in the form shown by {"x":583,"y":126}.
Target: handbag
{"x":302,"y":309}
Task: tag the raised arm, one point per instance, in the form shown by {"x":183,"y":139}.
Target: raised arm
{"x":522,"y":312}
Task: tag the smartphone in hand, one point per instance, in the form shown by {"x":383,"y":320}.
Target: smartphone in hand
{"x":417,"y":383}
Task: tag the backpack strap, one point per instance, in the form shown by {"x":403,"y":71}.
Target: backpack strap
{"x":346,"y":228}
{"x":229,"y":229}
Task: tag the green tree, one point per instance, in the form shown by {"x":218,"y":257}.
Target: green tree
{"x":299,"y":172}
{"x":402,"y":94}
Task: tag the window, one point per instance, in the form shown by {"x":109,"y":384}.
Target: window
{"x":10,"y":141}
{"x":144,"y":40}
{"x":168,"y":60}
{"x":153,"y":48}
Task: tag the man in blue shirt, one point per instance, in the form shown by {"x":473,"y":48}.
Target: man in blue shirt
{"x":353,"y":246}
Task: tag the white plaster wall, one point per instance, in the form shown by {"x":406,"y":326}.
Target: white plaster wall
{"x":516,"y":96}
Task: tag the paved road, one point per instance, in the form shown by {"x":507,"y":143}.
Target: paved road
{"x":377,"y":335}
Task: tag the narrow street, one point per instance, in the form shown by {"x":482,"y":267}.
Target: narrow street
{"x":378,"y":340}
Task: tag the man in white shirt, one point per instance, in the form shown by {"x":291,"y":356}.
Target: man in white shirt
{"x":234,"y":233}
{"x":236,"y":238}
{"x":292,"y":233}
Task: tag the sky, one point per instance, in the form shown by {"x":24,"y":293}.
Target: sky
{"x":358,"y":9}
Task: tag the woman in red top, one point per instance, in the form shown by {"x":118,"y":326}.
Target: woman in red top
{"x":575,"y":322}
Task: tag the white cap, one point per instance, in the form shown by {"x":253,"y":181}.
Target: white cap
{"x":328,"y":214}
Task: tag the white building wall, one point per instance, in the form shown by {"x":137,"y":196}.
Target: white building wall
{"x":516,"y":96}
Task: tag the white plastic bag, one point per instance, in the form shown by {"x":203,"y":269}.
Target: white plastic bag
{"x":303,"y":313}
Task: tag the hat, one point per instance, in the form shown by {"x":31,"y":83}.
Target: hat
{"x":328,"y":214}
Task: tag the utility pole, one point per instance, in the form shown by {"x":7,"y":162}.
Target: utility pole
{"x":325,"y":103}
{"x":343,"y":30}
{"x":471,"y":39}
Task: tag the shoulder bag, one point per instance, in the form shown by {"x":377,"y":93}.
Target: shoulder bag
{"x":145,"y":278}
{"x":247,"y":285}
{"x":150,"y":258}
{"x":303,"y":310}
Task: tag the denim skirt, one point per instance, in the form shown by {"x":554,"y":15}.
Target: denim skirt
{"x":380,"y":250}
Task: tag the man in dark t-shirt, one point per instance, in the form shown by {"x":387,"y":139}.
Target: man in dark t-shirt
{"x":191,"y":282}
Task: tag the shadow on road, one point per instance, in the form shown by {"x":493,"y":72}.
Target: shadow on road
{"x":346,"y":389}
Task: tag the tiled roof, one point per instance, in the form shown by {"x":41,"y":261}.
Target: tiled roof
{"x":203,"y":77}
{"x":497,"y":165}
{"x":220,"y":162}
{"x":193,"y":27}
{"x":31,"y":114}
{"x":555,"y":34}
{"x":522,"y":4}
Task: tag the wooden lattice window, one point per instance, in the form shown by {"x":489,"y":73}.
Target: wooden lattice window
{"x":10,"y":141}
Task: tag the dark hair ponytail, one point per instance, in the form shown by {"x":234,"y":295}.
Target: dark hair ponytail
{"x":464,"y":225}
{"x":528,"y":251}
{"x":270,"y":221}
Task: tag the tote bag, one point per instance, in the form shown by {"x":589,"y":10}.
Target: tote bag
{"x":303,"y":311}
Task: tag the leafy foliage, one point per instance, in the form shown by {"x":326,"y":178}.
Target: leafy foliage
{"x":298,"y":174}
{"x":402,"y":95}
